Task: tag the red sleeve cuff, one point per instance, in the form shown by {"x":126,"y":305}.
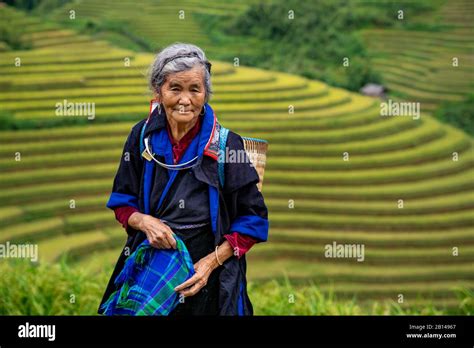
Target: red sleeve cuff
{"x":240,"y":243}
{"x":123,"y":213}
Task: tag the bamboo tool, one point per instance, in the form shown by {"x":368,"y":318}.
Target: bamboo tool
{"x":257,"y":151}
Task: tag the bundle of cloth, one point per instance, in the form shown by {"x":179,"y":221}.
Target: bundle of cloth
{"x":145,"y":286}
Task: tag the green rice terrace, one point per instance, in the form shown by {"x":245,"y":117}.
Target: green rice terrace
{"x":429,"y":67}
{"x":336,"y":170}
{"x":415,"y":64}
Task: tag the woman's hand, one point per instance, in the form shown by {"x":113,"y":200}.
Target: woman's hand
{"x":158,"y":234}
{"x":203,"y":269}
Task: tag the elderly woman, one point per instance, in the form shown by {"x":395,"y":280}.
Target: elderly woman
{"x":167,"y":189}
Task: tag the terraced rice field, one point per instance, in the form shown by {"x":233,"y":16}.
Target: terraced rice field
{"x":429,"y":67}
{"x":142,"y":18}
{"x":416,"y":65}
{"x":315,"y":197}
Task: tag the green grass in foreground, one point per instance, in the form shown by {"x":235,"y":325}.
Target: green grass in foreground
{"x":27,"y":289}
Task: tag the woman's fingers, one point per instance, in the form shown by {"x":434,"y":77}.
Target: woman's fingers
{"x":164,"y":241}
{"x":161,"y":236}
{"x":158,"y":240}
{"x":164,"y":226}
{"x":187,"y":283}
{"x":155,"y":242}
{"x":168,"y":235}
{"x":168,"y":239}
{"x":194,"y":289}
{"x":192,"y":286}
{"x":156,"y":245}
{"x":171,"y":240}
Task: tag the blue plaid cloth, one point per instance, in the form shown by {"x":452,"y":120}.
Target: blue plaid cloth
{"x":145,"y":286}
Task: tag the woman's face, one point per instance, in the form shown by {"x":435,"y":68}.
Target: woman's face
{"x":183,"y":95}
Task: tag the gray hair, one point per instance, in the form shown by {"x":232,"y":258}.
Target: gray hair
{"x":165,"y":64}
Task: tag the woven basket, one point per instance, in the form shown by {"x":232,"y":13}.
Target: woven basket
{"x":257,"y":151}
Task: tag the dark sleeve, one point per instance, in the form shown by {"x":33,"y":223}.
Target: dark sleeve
{"x":247,"y":209}
{"x":126,"y":185}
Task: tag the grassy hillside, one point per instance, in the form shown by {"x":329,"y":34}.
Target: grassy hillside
{"x":314,"y":196}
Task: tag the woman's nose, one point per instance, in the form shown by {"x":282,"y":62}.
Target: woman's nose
{"x":184,"y":99}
